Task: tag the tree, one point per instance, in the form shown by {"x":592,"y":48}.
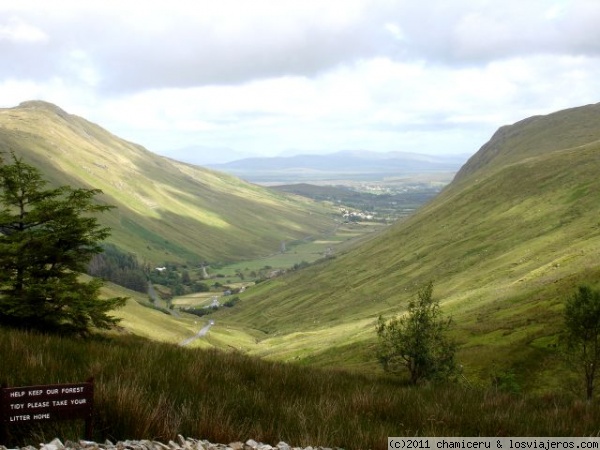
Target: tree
{"x":417,"y":341}
{"x":582,"y":334}
{"x":47,"y":237}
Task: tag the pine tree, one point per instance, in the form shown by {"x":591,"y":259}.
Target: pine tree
{"x":47,"y":237}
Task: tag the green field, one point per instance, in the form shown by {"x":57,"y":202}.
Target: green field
{"x":309,"y":250}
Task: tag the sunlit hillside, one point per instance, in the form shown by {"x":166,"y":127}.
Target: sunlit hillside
{"x":504,"y":244}
{"x":165,"y":210}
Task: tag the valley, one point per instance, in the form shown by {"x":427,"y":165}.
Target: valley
{"x":301,"y":272}
{"x":505,"y":243}
{"x":299,"y":225}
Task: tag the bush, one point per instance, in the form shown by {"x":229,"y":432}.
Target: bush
{"x":417,"y":342}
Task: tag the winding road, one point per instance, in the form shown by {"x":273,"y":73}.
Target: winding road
{"x":200,"y":333}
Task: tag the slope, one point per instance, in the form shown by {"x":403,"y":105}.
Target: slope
{"x":166,"y":210}
{"x":504,"y":243}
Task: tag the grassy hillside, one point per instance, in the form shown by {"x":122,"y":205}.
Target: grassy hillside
{"x":166,"y":210}
{"x":516,"y":231}
{"x":146,"y":390}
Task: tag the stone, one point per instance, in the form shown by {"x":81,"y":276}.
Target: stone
{"x":54,"y":445}
{"x":251,"y":444}
{"x":181,"y":444}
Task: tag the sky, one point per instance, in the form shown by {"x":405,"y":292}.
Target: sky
{"x":208,"y":81}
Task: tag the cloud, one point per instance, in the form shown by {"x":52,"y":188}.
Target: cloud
{"x":17,"y":31}
{"x":480,"y":31}
{"x":129,"y":47}
{"x":126,"y":47}
{"x":264,"y":76}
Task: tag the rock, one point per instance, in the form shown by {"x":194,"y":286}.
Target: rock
{"x":181,"y":444}
{"x":160,"y":446}
{"x":146,"y":444}
{"x":251,"y":444}
{"x":205,"y":445}
{"x":201,"y":445}
{"x":52,"y":445}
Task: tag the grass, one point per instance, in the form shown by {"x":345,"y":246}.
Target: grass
{"x":502,"y":276}
{"x":166,"y":211}
{"x":308,"y":250}
{"x":147,"y":390}
{"x":504,"y":244}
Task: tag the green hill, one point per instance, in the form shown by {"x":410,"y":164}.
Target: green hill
{"x":504,"y":243}
{"x":166,"y":210}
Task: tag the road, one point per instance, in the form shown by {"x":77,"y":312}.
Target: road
{"x":200,"y":333}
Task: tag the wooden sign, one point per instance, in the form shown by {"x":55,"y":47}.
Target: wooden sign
{"x":29,"y":404}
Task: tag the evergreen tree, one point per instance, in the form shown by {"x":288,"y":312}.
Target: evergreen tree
{"x":118,"y":267}
{"x":47,"y":237}
{"x":417,"y":341}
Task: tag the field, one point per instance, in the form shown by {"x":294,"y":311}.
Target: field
{"x":149,"y":390}
{"x":309,"y":250}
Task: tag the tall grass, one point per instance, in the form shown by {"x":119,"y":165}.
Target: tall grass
{"x":146,"y":390}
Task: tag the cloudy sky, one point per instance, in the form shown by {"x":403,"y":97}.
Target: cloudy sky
{"x":206,"y":80}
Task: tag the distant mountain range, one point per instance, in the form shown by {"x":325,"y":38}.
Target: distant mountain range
{"x":349,"y":164}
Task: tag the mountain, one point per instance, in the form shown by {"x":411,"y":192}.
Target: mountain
{"x":505,"y":243}
{"x":355,"y":165}
{"x":165,"y":210}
